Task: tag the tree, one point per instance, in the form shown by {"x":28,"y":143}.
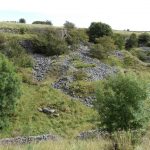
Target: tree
{"x":120,"y":103}
{"x":98,"y":29}
{"x":132,"y":41}
{"x":69,"y":25}
{"x":9,"y":91}
{"x":144,"y":39}
{"x":22,"y":20}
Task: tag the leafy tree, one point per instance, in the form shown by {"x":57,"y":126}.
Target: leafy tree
{"x":132,"y":41}
{"x":22,"y":20}
{"x":120,"y":103}
{"x":9,"y":91}
{"x":144,"y":39}
{"x":69,"y":25}
{"x":98,"y":29}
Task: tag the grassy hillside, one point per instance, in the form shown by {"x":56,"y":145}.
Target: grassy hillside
{"x":74,"y":117}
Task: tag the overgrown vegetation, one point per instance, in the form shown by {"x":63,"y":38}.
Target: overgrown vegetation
{"x":9,"y":91}
{"x":121,"y":103}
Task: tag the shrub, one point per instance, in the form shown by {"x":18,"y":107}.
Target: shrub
{"x":22,"y":30}
{"x":97,"y":51}
{"x":9,"y":91}
{"x":77,"y":36}
{"x":17,"y":54}
{"x":80,"y":75}
{"x":69,"y":25}
{"x":22,"y":20}
{"x":43,"y":22}
{"x":131,"y":42}
{"x":98,"y":29}
{"x":144,"y":39}
{"x":82,"y":88}
{"x":107,"y":42}
{"x":119,"y":40}
{"x":120,"y":103}
{"x":103,"y":46}
{"x":49,"y":44}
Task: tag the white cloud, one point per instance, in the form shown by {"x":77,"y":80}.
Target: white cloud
{"x":120,"y":14}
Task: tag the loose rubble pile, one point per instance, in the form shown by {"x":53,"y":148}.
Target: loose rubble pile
{"x":41,"y":67}
{"x":92,"y":134}
{"x":64,"y":67}
{"x":28,"y":140}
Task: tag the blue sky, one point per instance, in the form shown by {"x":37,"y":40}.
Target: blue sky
{"x":120,"y":14}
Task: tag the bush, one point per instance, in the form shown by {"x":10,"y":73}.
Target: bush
{"x":22,"y":20}
{"x":49,"y":44}
{"x":97,"y":51}
{"x":144,"y":39}
{"x":43,"y":22}
{"x":120,"y":103}
{"x":103,"y":46}
{"x":69,"y":25}
{"x":9,"y":91}
{"x":131,"y":42}
{"x":119,"y":41}
{"x":76,"y":37}
{"x":17,"y":54}
{"x":98,"y":29}
{"x":107,"y":42}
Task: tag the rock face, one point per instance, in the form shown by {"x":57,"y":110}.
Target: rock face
{"x":28,"y":140}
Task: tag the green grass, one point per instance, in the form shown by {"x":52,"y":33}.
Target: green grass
{"x":74,"y":116}
{"x":9,"y":25}
{"x":79,"y":64}
{"x":100,"y":144}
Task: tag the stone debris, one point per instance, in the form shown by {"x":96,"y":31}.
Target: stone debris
{"x":28,"y":139}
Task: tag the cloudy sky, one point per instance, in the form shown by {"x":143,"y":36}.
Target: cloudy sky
{"x":120,"y":14}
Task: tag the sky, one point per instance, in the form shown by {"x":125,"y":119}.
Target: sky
{"x":119,"y":14}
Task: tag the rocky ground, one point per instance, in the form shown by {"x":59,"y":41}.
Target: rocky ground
{"x":65,"y":68}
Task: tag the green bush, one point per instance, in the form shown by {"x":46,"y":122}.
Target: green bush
{"x":131,"y":42}
{"x":107,"y":42}
{"x":119,"y":41}
{"x":9,"y":91}
{"x":17,"y":54}
{"x":103,"y":46}
{"x":76,"y":37}
{"x":22,"y":30}
{"x":49,"y":44}
{"x":121,"y":103}
{"x":98,"y":29}
{"x":144,"y":39}
{"x":97,"y":51}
